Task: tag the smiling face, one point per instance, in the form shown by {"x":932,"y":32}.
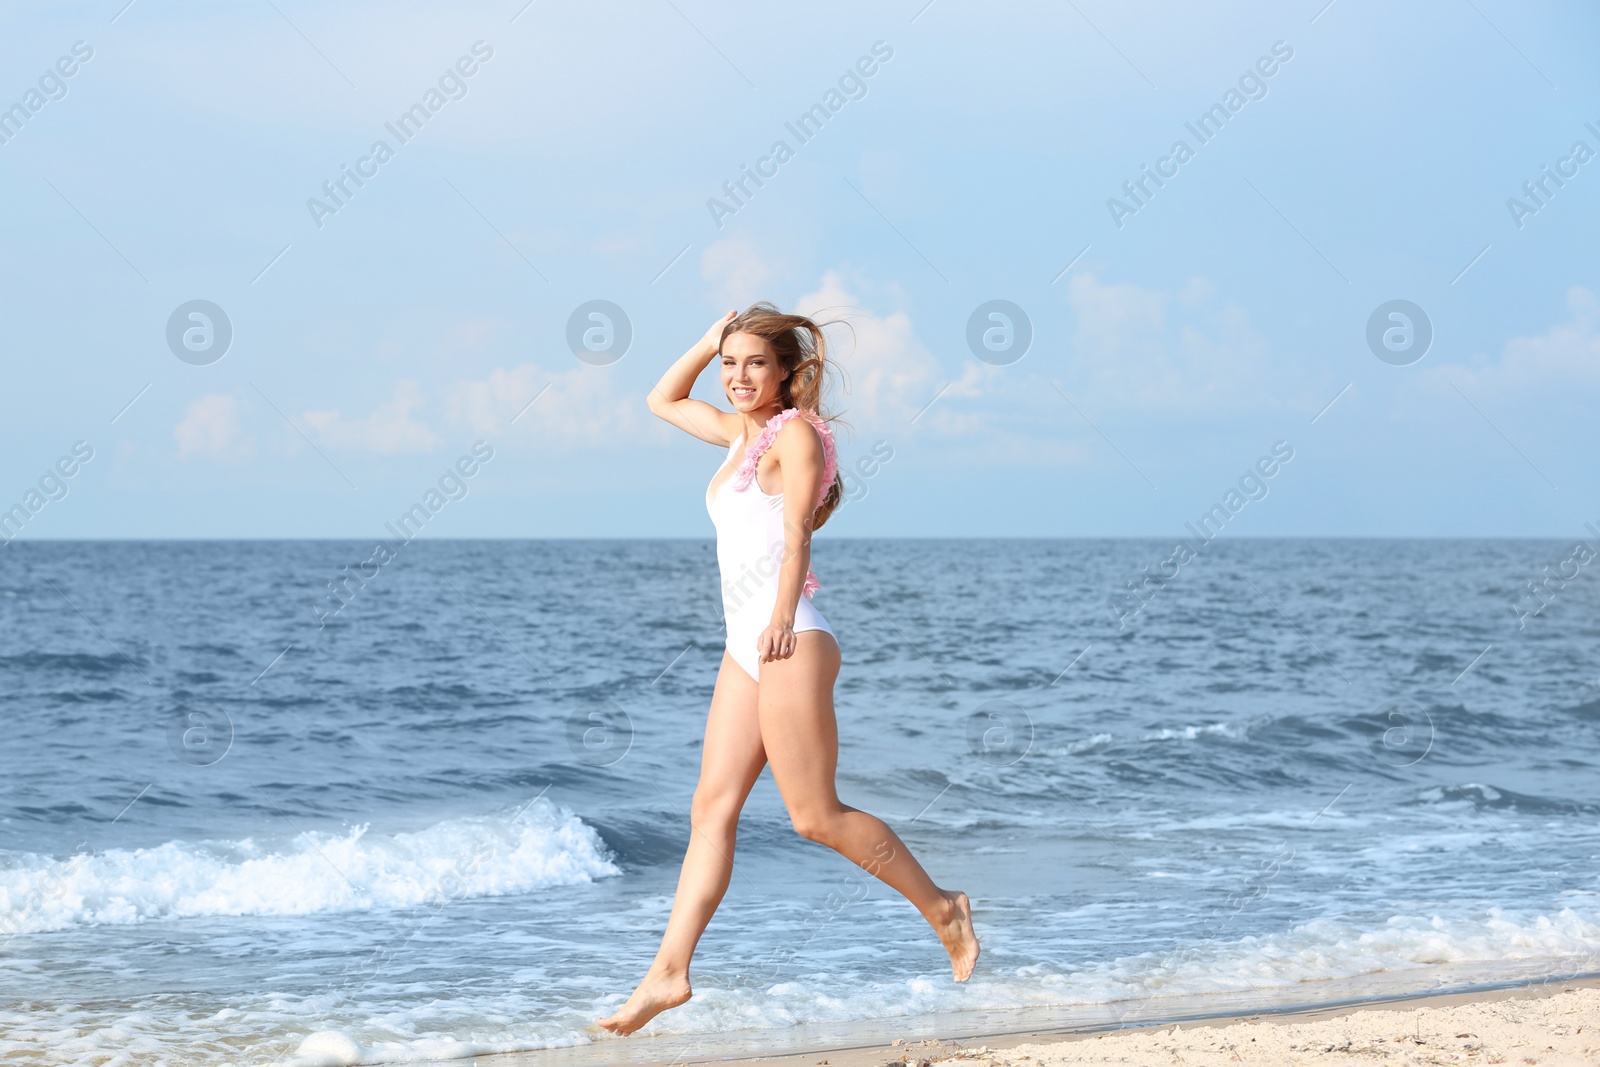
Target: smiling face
{"x":751,"y":374}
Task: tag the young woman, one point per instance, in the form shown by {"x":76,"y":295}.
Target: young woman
{"x":773,"y":702}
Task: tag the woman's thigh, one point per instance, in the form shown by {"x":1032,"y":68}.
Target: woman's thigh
{"x":798,"y":729}
{"x":733,"y":754}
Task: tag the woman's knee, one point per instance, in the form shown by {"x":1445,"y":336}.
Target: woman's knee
{"x":714,"y":809}
{"x":815,"y":824}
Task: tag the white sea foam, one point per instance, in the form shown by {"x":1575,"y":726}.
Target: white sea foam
{"x":1332,"y":948}
{"x":1165,"y":733}
{"x":472,"y":856}
{"x":1274,"y":966}
{"x":1404,"y":953}
{"x":1192,"y":733}
{"x":1073,"y":748}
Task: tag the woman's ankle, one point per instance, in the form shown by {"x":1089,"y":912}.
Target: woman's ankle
{"x":943,"y":910}
{"x":667,"y":972}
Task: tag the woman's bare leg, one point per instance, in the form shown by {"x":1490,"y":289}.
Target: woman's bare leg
{"x":730,"y":762}
{"x":801,"y":739}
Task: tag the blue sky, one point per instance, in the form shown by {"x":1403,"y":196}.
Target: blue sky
{"x":1172,"y":346}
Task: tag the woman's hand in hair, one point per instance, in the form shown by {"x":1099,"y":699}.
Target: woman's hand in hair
{"x":713,"y":337}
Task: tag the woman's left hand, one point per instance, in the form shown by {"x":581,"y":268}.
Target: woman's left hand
{"x":777,"y":641}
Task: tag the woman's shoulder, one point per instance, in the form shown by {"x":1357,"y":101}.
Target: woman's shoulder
{"x":803,"y":430}
{"x":805,"y":438}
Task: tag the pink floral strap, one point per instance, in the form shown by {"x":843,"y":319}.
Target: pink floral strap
{"x":758,"y":448}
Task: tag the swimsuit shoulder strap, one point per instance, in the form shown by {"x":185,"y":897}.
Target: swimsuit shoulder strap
{"x":769,"y":433}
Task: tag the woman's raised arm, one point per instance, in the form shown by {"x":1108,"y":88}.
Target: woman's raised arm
{"x":670,"y":397}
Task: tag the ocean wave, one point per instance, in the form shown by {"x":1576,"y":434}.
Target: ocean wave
{"x":1193,"y":733}
{"x":315,"y":872}
{"x":72,"y":663}
{"x":1087,"y":744}
{"x":1483,"y":796}
{"x":1266,"y":970}
{"x":1166,"y":733}
{"x":1405,"y":950}
{"x":1334,"y":948}
{"x":1423,"y":952}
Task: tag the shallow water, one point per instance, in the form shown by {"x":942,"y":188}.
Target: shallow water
{"x":448,"y":818}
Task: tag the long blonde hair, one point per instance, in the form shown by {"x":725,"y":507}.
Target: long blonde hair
{"x":802,"y":350}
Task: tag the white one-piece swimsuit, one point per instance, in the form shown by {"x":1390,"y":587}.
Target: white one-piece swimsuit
{"x":750,"y":546}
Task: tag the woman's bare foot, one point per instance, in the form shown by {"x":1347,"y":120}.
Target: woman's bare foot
{"x":654,"y":995}
{"x":956,"y":933}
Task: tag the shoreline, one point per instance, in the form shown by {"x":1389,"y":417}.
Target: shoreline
{"x":963,"y":1038}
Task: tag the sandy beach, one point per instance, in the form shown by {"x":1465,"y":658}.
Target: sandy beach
{"x":1531,"y":1026}
{"x":1553,"y":1024}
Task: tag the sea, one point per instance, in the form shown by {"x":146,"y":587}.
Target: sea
{"x":305,"y":802}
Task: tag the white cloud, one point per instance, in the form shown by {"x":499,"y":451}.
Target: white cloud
{"x":392,"y":429}
{"x":211,"y":428}
{"x":1197,"y":293}
{"x":488,"y":405}
{"x":1561,"y":365}
{"x":889,"y":374}
{"x":579,"y":407}
{"x":1129,"y":354}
